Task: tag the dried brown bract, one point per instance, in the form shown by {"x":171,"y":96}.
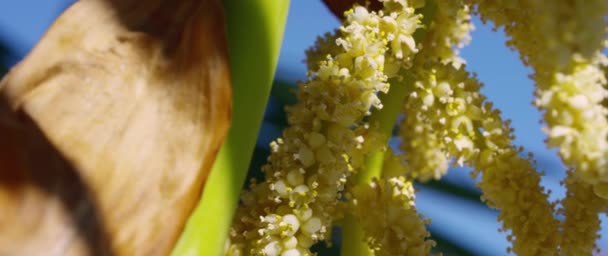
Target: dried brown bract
{"x":109,"y":127}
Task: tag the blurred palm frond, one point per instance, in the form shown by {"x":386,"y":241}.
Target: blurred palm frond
{"x":3,"y":56}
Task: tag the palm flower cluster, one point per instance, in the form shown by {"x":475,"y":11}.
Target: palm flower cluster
{"x":565,"y":53}
{"x":389,"y":218}
{"x":312,"y":178}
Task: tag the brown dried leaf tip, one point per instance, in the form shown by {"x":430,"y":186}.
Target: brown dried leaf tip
{"x":109,"y":127}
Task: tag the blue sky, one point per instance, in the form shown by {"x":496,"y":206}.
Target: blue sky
{"x":507,"y":85}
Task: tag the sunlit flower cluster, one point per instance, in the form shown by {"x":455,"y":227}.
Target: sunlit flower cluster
{"x":446,"y":117}
{"x":310,"y":180}
{"x":327,"y":138}
{"x":562,"y":43}
{"x":387,"y":213}
{"x":423,"y":144}
{"x":470,"y":130}
{"x":581,"y":224}
{"x":449,"y":31}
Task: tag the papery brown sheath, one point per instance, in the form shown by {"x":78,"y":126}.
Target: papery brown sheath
{"x":109,"y":127}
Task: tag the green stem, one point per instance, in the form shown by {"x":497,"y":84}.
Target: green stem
{"x":385,"y":118}
{"x":255,"y":31}
{"x":353,"y":237}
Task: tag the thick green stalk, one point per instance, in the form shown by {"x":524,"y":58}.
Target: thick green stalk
{"x":353,"y":239}
{"x":385,"y":118}
{"x":255,"y":31}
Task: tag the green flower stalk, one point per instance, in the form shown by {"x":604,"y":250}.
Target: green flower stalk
{"x":255,"y":31}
